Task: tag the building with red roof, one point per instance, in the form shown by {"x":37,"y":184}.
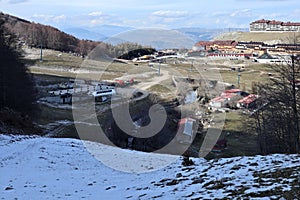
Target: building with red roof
{"x":186,"y":130}
{"x":248,"y":101}
{"x":273,"y":25}
{"x":221,"y":45}
{"x":228,"y":98}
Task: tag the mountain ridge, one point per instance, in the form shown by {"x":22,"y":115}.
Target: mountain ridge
{"x":36,"y":35}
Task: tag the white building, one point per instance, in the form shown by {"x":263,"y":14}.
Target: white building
{"x":272,"y":25}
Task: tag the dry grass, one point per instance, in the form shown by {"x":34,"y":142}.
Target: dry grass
{"x":67,"y":65}
{"x":64,"y":60}
{"x":159,"y":88}
{"x":247,"y":78}
{"x":284,"y":37}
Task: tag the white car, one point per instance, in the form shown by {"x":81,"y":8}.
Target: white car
{"x":105,"y":92}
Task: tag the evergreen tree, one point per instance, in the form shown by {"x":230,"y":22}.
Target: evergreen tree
{"x":16,"y":86}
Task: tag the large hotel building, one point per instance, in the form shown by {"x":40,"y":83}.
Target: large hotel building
{"x":272,"y":25}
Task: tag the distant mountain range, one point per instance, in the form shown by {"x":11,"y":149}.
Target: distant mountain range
{"x":82,"y":33}
{"x":83,"y":39}
{"x":104,"y":32}
{"x":198,"y":34}
{"x":99,"y":33}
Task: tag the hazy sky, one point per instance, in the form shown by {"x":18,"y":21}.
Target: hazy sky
{"x":152,"y":13}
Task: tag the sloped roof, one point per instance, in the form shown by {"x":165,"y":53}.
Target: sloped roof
{"x":291,"y":24}
{"x":248,"y":99}
{"x":218,"y":99}
{"x":233,"y":91}
{"x":260,"y":21}
{"x":217,"y":42}
{"x":266,"y":56}
{"x":187,"y":125}
{"x":274,"y":22}
{"x":223,"y":97}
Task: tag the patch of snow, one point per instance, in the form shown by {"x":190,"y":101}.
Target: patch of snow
{"x":49,"y":168}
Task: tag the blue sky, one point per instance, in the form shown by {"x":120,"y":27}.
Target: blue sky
{"x":154,"y":13}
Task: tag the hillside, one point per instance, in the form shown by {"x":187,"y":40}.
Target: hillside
{"x":199,"y":34}
{"x":35,"y":35}
{"x":48,"y":168}
{"x":266,"y":37}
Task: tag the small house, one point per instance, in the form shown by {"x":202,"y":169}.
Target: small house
{"x":227,"y":99}
{"x":186,"y":130}
{"x":267,"y":58}
{"x":248,"y":101}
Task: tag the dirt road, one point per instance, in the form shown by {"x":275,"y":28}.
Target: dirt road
{"x":164,"y":75}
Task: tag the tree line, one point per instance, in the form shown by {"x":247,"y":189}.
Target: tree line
{"x":277,"y":116}
{"x":39,"y":35}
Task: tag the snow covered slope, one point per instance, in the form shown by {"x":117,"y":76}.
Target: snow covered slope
{"x":47,"y":168}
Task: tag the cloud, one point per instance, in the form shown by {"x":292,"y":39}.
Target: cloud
{"x":17,"y":1}
{"x":14,"y":1}
{"x":50,"y":18}
{"x":262,"y":0}
{"x":43,"y":17}
{"x":236,"y":13}
{"x":242,"y":13}
{"x":295,"y":14}
{"x":97,"y":21}
{"x":166,"y":19}
{"x":163,"y":18}
{"x":170,"y":14}
{"x":220,"y":13}
{"x":95,"y":14}
{"x":100,"y":18}
{"x":94,"y":18}
{"x":59,"y":18}
{"x":276,"y":16}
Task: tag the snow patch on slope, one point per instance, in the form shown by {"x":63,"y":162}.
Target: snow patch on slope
{"x":48,"y":168}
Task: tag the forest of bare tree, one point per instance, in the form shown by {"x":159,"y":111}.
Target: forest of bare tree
{"x":38,"y":35}
{"x":277,"y":118}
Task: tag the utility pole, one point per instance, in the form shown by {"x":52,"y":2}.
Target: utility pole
{"x":238,"y":78}
{"x":41,"y":58}
{"x":158,"y":71}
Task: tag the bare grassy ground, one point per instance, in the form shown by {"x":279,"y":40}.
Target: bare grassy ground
{"x":241,"y":140}
{"x":247,"y":78}
{"x":225,"y":70}
{"x":68,"y":65}
{"x":268,"y":37}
